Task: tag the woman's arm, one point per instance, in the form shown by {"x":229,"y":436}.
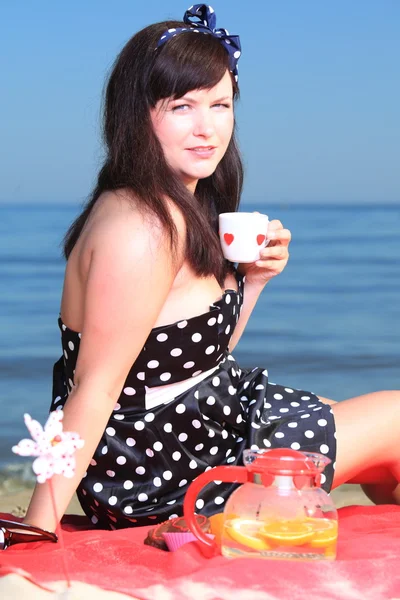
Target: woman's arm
{"x":129,"y":278}
{"x":272,"y":261}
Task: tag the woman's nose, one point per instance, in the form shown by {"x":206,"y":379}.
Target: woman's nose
{"x":204,"y":124}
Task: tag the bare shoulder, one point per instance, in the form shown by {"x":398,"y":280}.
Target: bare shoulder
{"x":120,"y":242}
{"x":121,"y":221}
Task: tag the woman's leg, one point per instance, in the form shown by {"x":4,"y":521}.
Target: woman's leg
{"x":368,"y":436}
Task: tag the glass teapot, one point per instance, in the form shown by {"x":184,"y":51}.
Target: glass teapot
{"x":279,"y":512}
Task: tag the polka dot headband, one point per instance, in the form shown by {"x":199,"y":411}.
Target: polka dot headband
{"x":206,"y":24}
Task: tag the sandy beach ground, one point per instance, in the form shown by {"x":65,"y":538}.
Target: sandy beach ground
{"x":16,"y":501}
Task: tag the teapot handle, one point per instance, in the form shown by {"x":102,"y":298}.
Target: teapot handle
{"x":224,"y":474}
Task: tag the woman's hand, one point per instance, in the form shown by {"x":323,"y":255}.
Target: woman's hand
{"x":273,"y":258}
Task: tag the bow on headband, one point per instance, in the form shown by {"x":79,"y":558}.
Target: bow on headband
{"x":206,"y":24}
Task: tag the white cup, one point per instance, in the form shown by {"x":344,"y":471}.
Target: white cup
{"x":243,"y":235}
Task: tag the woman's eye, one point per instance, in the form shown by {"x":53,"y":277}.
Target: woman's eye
{"x":180,"y":106}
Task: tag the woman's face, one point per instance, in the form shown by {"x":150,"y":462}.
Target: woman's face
{"x":195,"y":130}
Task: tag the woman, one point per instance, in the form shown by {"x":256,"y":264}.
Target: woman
{"x":151,"y":311}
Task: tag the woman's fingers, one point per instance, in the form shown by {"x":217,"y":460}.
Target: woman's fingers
{"x":280,"y":235}
{"x":274,"y":225}
{"x":276,"y":252}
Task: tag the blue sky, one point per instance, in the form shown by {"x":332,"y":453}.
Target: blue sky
{"x":320,"y":94}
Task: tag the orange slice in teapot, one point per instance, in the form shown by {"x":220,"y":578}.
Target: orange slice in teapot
{"x":287,"y":533}
{"x":245,"y":532}
{"x":325,"y":532}
{"x":217,"y":522}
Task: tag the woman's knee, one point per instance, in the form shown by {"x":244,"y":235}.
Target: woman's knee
{"x":367,"y":434}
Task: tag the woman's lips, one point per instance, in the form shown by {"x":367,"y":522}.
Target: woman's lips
{"x":203,"y":152}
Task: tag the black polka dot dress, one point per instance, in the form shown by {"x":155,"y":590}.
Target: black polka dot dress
{"x":151,"y":451}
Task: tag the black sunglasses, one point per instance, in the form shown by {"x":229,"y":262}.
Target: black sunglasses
{"x":9,"y":538}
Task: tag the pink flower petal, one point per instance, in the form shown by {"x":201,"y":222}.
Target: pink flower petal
{"x":34,"y":428}
{"x":26,"y":447}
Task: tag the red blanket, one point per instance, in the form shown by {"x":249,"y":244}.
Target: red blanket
{"x":367,"y":566}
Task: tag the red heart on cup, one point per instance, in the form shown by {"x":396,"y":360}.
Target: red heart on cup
{"x":260,"y":239}
{"x":228,"y":237}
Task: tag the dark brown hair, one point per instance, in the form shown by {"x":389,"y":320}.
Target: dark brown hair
{"x":140,"y":76}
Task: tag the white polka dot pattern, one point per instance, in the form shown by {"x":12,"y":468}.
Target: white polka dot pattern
{"x":147,"y":458}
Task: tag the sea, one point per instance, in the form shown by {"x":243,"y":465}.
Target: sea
{"x":330,"y":323}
